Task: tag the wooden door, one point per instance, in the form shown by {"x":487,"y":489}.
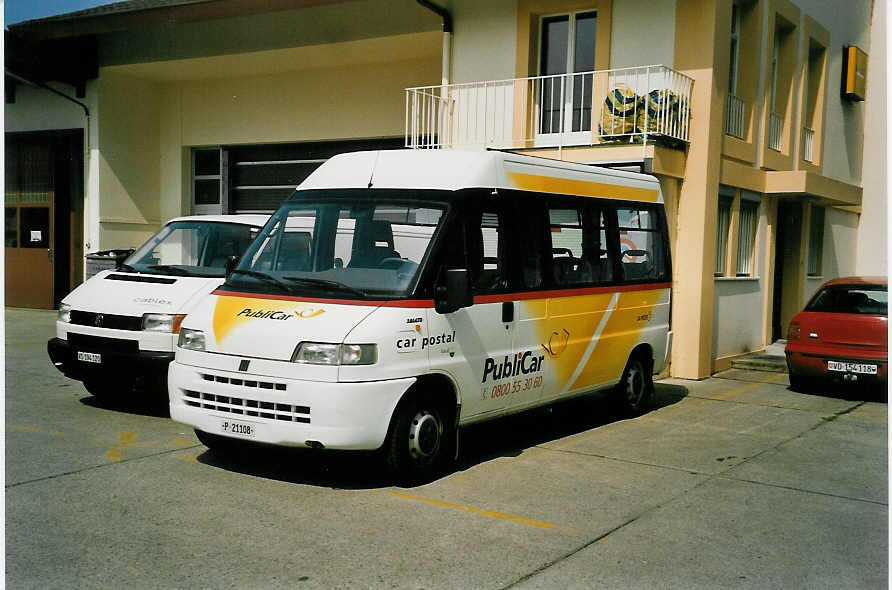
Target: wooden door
{"x":28,"y":225}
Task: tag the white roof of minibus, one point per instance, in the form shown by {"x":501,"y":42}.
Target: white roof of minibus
{"x":459,"y":169}
{"x":241,"y":219}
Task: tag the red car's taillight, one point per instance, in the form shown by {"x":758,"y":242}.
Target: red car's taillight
{"x":793,"y":333}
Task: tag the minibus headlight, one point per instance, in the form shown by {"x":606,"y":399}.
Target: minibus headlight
{"x":162,"y":322}
{"x":321,"y":353}
{"x":65,"y":313}
{"x":191,"y":339}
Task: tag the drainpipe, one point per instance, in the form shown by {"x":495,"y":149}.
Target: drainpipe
{"x":447,"y":37}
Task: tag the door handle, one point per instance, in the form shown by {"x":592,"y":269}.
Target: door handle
{"x":507,"y":312}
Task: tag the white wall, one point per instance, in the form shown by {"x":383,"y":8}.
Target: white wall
{"x":872,"y":250}
{"x":643,"y":33}
{"x":849,"y":24}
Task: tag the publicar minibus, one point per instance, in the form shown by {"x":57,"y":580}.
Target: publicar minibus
{"x":398,"y":296}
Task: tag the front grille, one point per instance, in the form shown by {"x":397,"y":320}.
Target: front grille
{"x":100,"y":344}
{"x":106,"y":320}
{"x":140,"y":279}
{"x":271,"y":410}
{"x":244,"y":382}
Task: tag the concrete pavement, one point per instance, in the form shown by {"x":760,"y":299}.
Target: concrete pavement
{"x":729,"y":482}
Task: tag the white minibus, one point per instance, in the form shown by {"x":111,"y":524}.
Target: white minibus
{"x":398,"y":296}
{"x":118,"y":330}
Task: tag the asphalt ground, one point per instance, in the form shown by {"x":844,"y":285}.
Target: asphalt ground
{"x":729,"y":482}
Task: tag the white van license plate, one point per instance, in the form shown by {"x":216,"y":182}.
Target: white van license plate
{"x":861,"y":368}
{"x":236,"y":428}
{"x":89,"y":357}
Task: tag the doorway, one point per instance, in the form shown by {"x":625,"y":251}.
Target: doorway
{"x":43,"y":217}
{"x":787,"y":258}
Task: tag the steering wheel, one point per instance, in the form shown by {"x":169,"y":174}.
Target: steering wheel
{"x":392,"y":262}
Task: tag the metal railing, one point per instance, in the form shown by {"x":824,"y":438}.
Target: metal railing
{"x":735,"y":116}
{"x":775,"y":132}
{"x":628,"y":104}
{"x":808,"y":144}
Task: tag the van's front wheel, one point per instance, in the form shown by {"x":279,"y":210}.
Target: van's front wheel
{"x":418,"y":440}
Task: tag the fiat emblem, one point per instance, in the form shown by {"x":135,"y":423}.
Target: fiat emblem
{"x":98,"y":321}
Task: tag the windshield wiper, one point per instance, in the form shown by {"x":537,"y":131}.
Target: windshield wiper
{"x":326,"y":283}
{"x":126,"y":268}
{"x":175,"y":270}
{"x":263,"y":277}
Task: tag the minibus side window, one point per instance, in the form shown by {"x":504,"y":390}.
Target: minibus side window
{"x":602,"y":254}
{"x":532,"y":246}
{"x":641,"y":242}
{"x":570,"y":260}
{"x":485,"y":252}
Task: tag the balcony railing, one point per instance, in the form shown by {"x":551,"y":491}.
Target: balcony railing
{"x":626,"y":105}
{"x":775,"y":132}
{"x":734,"y":117}
{"x":808,"y":144}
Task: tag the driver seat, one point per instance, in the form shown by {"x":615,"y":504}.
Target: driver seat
{"x":372,"y":244}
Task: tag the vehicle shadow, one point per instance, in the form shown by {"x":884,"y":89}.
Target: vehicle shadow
{"x":853,"y":392}
{"x":504,"y":437}
{"x":156,"y":408}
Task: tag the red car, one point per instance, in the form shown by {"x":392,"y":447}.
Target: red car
{"x":841,"y":335}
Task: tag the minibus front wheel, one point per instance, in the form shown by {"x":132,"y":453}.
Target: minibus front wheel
{"x":419,"y":438}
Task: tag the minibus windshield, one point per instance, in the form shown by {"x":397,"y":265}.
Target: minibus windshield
{"x":191,"y":248}
{"x":342,"y":248}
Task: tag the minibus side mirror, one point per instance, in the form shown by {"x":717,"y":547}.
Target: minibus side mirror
{"x":453,"y":291}
{"x":231,"y":263}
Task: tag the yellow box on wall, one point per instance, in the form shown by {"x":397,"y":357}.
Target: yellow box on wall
{"x":854,"y":73}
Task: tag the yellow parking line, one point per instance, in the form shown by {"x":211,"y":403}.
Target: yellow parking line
{"x":489,"y":513}
{"x":23,"y":428}
{"x":126,"y":440}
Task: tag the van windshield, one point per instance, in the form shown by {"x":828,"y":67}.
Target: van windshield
{"x":345,"y":248}
{"x":191,"y":248}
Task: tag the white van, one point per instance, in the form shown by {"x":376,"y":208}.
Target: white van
{"x":400,"y":295}
{"x":117,"y":331}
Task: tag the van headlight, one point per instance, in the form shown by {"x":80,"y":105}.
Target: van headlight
{"x":64,"y":313}
{"x":162,"y":322}
{"x":322,"y":353}
{"x":191,"y":339}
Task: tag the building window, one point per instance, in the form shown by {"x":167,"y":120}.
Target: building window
{"x":748,"y":222}
{"x":815,"y":241}
{"x":567,"y":47}
{"x":723,"y":225}
{"x":735,"y":49}
{"x":207,"y":181}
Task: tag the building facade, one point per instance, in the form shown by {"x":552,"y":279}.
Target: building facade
{"x":768,"y":165}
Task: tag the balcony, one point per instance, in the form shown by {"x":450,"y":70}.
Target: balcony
{"x":808,"y":145}
{"x":775,"y":132}
{"x":623,"y":106}
{"x":734,"y":117}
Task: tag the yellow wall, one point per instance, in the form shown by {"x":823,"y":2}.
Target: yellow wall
{"x":147,"y":127}
{"x":128,"y":166}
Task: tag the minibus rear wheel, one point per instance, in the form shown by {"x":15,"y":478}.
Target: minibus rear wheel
{"x":636,"y":386}
{"x":419,"y":438}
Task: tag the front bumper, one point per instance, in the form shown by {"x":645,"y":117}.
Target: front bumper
{"x":285,"y":411}
{"x":135,"y":368}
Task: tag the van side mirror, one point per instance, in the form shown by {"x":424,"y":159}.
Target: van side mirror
{"x":453,"y":291}
{"x":231,"y":263}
